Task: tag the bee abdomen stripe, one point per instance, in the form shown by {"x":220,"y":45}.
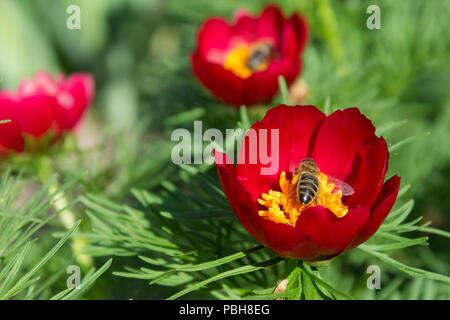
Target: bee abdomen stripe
{"x":306,"y":193}
{"x":310,"y":178}
{"x":308,"y":185}
{"x":306,"y":197}
{"x":306,"y":189}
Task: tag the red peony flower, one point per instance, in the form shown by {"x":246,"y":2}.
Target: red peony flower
{"x":240,"y":63}
{"x":344,"y":146}
{"x":42,"y":109}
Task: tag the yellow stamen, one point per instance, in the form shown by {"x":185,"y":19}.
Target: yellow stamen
{"x":237,"y":59}
{"x":284,"y":207}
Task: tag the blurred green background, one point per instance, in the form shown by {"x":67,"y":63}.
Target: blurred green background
{"x":139,"y":53}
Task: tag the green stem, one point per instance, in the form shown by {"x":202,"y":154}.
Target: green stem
{"x":66,"y":216}
{"x":300,"y":280}
{"x":320,"y":263}
{"x":329,"y":27}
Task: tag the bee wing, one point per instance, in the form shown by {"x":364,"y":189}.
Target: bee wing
{"x":346,"y":189}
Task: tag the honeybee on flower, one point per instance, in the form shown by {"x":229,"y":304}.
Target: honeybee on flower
{"x":352,"y":199}
{"x":240,"y":62}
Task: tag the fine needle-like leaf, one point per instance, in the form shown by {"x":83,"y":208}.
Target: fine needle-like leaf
{"x":21,"y":284}
{"x":226,"y":274}
{"x":412,"y":271}
{"x":284,"y":90}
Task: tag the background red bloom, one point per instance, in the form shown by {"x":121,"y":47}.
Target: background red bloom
{"x":217,"y":38}
{"x":343,"y":145}
{"x":43,"y":106}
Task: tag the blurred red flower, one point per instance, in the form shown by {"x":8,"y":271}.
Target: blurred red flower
{"x":241,"y":62}
{"x":42,"y":109}
{"x":344,"y":146}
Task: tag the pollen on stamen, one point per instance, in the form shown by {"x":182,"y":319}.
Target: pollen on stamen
{"x":284,"y":207}
{"x":237,"y":59}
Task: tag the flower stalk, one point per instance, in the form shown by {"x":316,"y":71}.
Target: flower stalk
{"x":62,"y":205}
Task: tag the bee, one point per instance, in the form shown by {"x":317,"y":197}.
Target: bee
{"x":308,"y":184}
{"x":260,"y":55}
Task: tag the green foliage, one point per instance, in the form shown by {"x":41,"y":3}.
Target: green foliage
{"x":18,"y":230}
{"x":172,"y":228}
{"x":191,"y":222}
{"x":183,"y":224}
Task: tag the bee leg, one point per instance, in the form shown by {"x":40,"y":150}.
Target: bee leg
{"x":293,"y":188}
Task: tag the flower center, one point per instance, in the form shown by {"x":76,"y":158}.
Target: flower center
{"x":284,"y":207}
{"x":243,"y":60}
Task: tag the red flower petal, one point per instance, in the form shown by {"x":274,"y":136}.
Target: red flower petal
{"x":301,"y":30}
{"x":367,"y":175}
{"x":280,"y":238}
{"x":302,"y":122}
{"x":27,"y":87}
{"x":240,"y":14}
{"x":45,"y":84}
{"x":75,"y":95}
{"x":234,"y":191}
{"x":216,"y":38}
{"x":213,"y":76}
{"x":270,"y":23}
{"x":214,"y":34}
{"x":284,"y":240}
{"x":36,"y":115}
{"x":379,"y":211}
{"x":252,"y":166}
{"x":10,"y":136}
{"x":244,"y":30}
{"x":332,"y":234}
{"x":306,"y":131}
{"x":341,"y":136}
{"x":290,"y":46}
{"x":262,"y":86}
